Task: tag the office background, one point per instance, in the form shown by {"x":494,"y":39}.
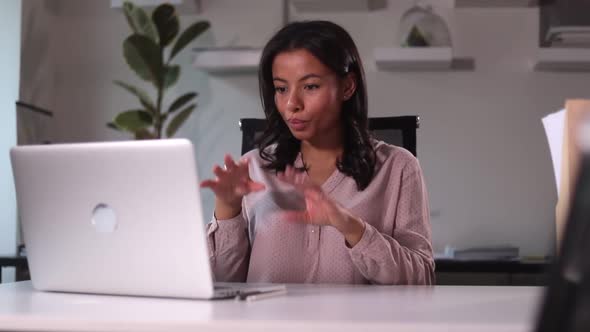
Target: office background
{"x":481,"y":143}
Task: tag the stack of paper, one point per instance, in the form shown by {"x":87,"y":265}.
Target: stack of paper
{"x":500,"y":252}
{"x":554,"y":125}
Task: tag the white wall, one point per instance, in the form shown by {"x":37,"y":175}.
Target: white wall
{"x":481,"y":143}
{"x":9,"y":67}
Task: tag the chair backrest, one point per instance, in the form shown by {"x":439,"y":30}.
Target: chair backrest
{"x":396,"y":130}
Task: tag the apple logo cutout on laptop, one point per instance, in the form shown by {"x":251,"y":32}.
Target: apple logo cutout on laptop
{"x":104,"y":219}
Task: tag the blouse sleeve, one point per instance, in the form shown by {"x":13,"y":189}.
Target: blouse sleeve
{"x":229,"y":248}
{"x":404,"y":257}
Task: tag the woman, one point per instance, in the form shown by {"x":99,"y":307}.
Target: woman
{"x":319,"y":201}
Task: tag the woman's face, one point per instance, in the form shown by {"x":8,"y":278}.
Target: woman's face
{"x":308,"y":94}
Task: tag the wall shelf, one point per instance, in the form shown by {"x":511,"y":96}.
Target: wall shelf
{"x":495,"y":3}
{"x":563,"y":59}
{"x":185,"y":7}
{"x":420,"y":59}
{"x":227,"y":60}
{"x":145,"y":3}
{"x":337,"y":5}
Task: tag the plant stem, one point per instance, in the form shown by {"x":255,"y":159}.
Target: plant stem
{"x":158,"y":121}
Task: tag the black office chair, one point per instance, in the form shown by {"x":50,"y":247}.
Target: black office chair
{"x":20,"y":264}
{"x":396,"y":130}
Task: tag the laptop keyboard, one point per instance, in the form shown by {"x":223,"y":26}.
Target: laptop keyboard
{"x":226,"y":291}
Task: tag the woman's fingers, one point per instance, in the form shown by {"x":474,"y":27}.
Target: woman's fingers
{"x":219,"y":172}
{"x":299,"y":178}
{"x":255,"y":186}
{"x":241,"y":190}
{"x":232,"y":180}
{"x":209,"y":184}
{"x":316,"y":200}
{"x":292,"y":173}
{"x":230,"y":165}
{"x":213,"y":185}
{"x":296,"y":216}
{"x":291,"y":176}
{"x":289,"y":173}
{"x":314,"y":194}
{"x":243,"y":163}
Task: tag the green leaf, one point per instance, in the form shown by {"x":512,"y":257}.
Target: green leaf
{"x":114,"y":126}
{"x":171,"y":77}
{"x":133,"y":120}
{"x":144,"y":134}
{"x":181,"y":101}
{"x":416,"y":39}
{"x":188,"y":36}
{"x":144,"y":98}
{"x":144,"y":57}
{"x":140,"y":22}
{"x":128,"y":9}
{"x":166,"y":21}
{"x":178,"y":120}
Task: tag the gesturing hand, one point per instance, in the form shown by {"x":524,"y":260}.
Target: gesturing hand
{"x":320,"y":209}
{"x":233,"y":182}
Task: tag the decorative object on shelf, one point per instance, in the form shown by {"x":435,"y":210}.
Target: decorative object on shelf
{"x":568,"y":36}
{"x":420,"y":26}
{"x":564,"y":23}
{"x":144,"y":51}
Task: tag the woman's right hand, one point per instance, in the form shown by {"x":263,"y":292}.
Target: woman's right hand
{"x":231,"y":185}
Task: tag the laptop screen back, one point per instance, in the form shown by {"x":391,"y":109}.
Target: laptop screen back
{"x":113,"y":217}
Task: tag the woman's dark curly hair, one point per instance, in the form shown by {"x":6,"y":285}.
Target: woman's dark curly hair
{"x":334,"y":47}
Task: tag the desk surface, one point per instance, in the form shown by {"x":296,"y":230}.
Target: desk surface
{"x":305,"y":307}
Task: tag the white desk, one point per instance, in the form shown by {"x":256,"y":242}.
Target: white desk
{"x":304,"y":308}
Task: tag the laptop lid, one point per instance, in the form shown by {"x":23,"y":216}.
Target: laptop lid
{"x":113,"y":217}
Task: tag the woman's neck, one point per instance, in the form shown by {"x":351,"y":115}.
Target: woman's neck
{"x":322,"y":152}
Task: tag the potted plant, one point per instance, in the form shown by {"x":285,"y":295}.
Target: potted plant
{"x":146,"y":53}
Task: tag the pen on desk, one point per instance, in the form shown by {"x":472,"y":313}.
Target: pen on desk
{"x":262,"y":296}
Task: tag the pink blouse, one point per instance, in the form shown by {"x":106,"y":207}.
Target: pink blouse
{"x":257,"y":246}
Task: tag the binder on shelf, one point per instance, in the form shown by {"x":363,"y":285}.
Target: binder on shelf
{"x":569,"y":36}
{"x":499,"y":252}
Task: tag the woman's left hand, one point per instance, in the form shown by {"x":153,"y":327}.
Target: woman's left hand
{"x":320,"y":209}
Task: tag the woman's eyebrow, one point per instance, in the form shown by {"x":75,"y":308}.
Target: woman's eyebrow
{"x":308,"y":76}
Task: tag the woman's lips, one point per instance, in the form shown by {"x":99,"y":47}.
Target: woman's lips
{"x":297,"y":124}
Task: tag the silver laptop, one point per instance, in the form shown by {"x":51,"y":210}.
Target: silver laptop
{"x":115,"y":218}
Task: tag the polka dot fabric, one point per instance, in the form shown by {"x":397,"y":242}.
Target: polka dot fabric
{"x":257,"y":246}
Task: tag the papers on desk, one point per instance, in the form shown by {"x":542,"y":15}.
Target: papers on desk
{"x":500,"y":252}
{"x":554,"y":125}
{"x":563,"y":131}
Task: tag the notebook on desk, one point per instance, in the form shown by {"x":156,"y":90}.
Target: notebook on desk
{"x":115,"y":218}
